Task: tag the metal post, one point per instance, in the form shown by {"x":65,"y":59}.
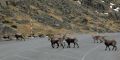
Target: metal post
{"x":31,"y":28}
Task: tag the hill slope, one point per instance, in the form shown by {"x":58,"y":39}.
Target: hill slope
{"x":50,"y":16}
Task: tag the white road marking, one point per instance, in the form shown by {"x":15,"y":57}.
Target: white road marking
{"x":83,"y":58}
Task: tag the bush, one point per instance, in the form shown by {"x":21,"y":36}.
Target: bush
{"x":23,"y":21}
{"x":6,"y":22}
{"x":14,"y":26}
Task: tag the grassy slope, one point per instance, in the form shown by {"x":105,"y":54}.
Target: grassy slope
{"x":43,"y":13}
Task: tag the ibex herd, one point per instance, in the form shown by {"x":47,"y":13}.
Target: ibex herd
{"x":107,"y":42}
{"x":19,"y":36}
{"x":60,"y":40}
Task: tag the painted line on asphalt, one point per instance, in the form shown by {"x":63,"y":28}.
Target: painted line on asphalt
{"x":83,"y":58}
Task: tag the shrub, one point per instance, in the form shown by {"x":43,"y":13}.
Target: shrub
{"x":6,"y":22}
{"x":14,"y":26}
{"x":22,"y":21}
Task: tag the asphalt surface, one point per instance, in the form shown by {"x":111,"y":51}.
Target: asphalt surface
{"x":40,"y":49}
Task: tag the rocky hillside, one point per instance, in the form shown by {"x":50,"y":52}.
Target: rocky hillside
{"x":51,"y":16}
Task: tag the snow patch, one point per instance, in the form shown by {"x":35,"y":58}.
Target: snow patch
{"x":102,"y":1}
{"x":117,"y":9}
{"x":106,"y":13}
{"x":79,"y":2}
{"x":96,"y":11}
{"x":111,"y":5}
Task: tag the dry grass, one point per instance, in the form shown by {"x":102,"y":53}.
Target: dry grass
{"x":75,"y":20}
{"x":56,"y":16}
{"x":38,"y":28}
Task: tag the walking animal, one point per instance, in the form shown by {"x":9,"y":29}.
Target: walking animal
{"x":41,"y":35}
{"x":70,"y":40}
{"x":98,"y":38}
{"x":109,"y":43}
{"x":56,"y":40}
{"x":6,"y":37}
{"x":19,"y":37}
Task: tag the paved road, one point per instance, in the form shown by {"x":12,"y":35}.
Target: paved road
{"x":39,"y":49}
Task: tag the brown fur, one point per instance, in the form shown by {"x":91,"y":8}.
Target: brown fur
{"x":98,"y":38}
{"x":56,"y":39}
{"x":110,"y":43}
{"x":70,"y":39}
{"x":19,"y":37}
